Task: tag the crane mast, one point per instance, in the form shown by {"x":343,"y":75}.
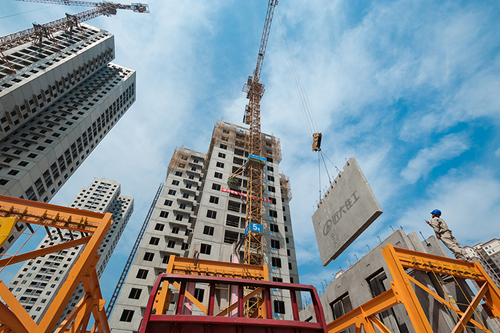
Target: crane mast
{"x":253,"y":253}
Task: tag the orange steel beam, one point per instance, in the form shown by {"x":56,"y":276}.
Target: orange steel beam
{"x":41,"y":252}
{"x":382,"y":302}
{"x":160,"y":304}
{"x":191,"y":266}
{"x":14,"y":317}
{"x":440,"y":265}
{"x":235,"y":305}
{"x":80,"y":268}
{"x":13,"y":314}
{"x":402,"y":292}
{"x":190,"y":297}
{"x":40,"y":213}
{"x":405,"y":291}
{"x":77,"y":315}
{"x":470,"y":310}
{"x":378,"y":324}
{"x":492,"y":298}
{"x":91,"y":286}
{"x":447,"y":303}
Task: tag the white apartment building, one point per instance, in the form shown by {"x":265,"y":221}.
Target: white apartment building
{"x":56,"y":109}
{"x":199,"y":213}
{"x":488,"y":254}
{"x":39,"y":280}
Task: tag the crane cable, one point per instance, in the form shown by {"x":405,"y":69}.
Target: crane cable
{"x":310,"y":121}
{"x":27,"y":11}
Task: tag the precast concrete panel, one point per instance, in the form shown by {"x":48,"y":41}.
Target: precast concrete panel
{"x":347,"y":209}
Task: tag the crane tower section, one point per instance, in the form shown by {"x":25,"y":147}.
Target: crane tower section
{"x":253,"y":253}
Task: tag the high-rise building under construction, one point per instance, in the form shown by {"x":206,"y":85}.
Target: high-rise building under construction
{"x":200,"y":215}
{"x":61,"y":101}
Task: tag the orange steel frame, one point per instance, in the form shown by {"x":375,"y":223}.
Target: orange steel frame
{"x":402,"y":292}
{"x":188,"y":266}
{"x":93,"y":226}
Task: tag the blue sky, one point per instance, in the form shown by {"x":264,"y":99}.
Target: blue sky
{"x":409,"y":88}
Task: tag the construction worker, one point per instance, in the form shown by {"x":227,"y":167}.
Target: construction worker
{"x":444,"y":234}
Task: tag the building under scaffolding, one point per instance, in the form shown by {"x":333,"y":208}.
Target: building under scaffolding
{"x":201,"y":214}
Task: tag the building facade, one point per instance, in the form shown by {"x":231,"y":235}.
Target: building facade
{"x":370,"y":277}
{"x":56,"y":109}
{"x":200,"y":215}
{"x":488,"y":254}
{"x":39,"y":280}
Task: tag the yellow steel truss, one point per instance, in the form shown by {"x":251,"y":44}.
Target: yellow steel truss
{"x":402,"y":292}
{"x":93,"y":226}
{"x":253,"y":241}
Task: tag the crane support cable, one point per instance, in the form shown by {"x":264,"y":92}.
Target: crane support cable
{"x":310,"y":121}
{"x":323,"y":157}
{"x":331,"y":162}
{"x":22,"y":13}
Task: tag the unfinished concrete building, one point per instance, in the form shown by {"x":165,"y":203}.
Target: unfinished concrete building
{"x":199,"y":214}
{"x":370,"y":277}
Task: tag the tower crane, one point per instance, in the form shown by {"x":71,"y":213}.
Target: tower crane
{"x":253,"y":247}
{"x":39,"y":31}
{"x":136,"y":7}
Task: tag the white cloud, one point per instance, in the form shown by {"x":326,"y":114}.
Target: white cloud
{"x":427,"y":159}
{"x":469,"y":201}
